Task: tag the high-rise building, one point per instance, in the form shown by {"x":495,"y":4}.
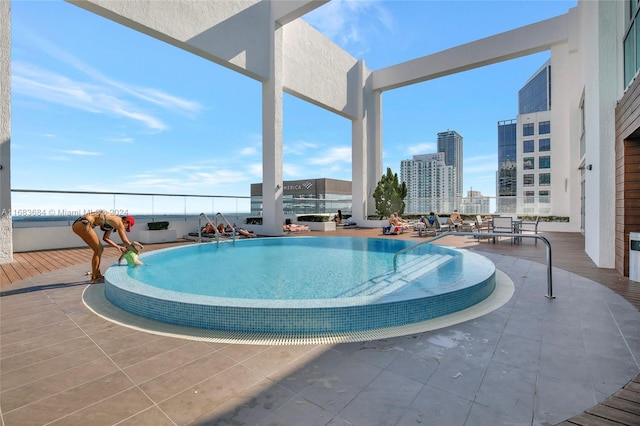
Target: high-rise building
{"x":506,"y":177}
{"x":430,"y":184}
{"x":535,"y":95}
{"x":450,"y":142}
{"x":533,"y":144}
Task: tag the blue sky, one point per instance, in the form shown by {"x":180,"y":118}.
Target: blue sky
{"x":99,"y":107}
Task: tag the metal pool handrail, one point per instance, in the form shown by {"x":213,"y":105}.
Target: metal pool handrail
{"x":549,"y":294}
{"x":203,"y":215}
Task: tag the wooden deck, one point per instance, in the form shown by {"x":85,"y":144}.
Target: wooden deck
{"x":30,"y":264}
{"x":622,"y":408}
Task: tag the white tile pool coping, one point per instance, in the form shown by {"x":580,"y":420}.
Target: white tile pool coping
{"x":95,"y":300}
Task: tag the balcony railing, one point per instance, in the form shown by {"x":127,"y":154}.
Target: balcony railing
{"x":32,"y":205}
{"x":51,"y":205}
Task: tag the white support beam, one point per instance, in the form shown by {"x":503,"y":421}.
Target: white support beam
{"x":285,"y":11}
{"x":512,"y":44}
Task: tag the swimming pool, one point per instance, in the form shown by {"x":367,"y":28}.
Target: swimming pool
{"x":300,"y":285}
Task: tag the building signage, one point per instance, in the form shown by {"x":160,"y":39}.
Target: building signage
{"x":298,"y":186}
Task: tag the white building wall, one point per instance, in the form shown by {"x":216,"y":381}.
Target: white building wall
{"x":565,"y":142}
{"x":534,"y":208}
{"x":6,"y":246}
{"x":561,"y":160}
{"x":600,"y":47}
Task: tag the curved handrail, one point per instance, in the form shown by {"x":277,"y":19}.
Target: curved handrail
{"x":200,"y":228}
{"x":549,"y":294}
{"x":203,"y":215}
{"x":224,"y":220}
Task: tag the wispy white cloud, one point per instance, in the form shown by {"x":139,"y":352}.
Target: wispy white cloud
{"x":249,"y":150}
{"x":120,"y":140}
{"x":68,"y":155}
{"x":151,"y":95}
{"x":187,"y":178}
{"x":422,"y":148}
{"x":332,"y":156}
{"x":293,"y":171}
{"x":165,"y":100}
{"x":218,"y":177}
{"x":255,"y":170}
{"x":57,"y":89}
{"x":81,"y":153}
{"x":298,"y":147}
{"x":348,"y":22}
{"x":98,"y":94}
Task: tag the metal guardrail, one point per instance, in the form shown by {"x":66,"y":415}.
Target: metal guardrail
{"x":549,"y":294}
{"x":57,"y":209}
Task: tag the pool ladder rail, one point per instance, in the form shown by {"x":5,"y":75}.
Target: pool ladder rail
{"x":218,"y":234}
{"x":549,"y":294}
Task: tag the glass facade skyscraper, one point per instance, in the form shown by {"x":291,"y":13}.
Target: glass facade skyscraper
{"x":450,"y":143}
{"x":535,"y":96}
{"x":507,"y":178}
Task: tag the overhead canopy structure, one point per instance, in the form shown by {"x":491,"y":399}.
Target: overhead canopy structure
{"x":267,"y":41}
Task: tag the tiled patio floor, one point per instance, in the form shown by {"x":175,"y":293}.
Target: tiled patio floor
{"x":534,"y":361}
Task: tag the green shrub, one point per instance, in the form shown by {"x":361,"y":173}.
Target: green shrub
{"x":157,"y":226}
{"x":254,"y":221}
{"x":313,"y":218}
{"x":389,"y":195}
{"x":545,"y":218}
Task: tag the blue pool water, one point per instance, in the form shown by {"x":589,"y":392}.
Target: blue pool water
{"x":301,"y":284}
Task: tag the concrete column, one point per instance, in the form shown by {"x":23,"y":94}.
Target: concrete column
{"x":6,"y":228}
{"x":366,"y":144}
{"x":359,"y":148}
{"x":272,"y":187}
{"x":373,"y":106}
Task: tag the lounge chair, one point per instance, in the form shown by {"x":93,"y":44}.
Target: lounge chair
{"x":346,"y":223}
{"x":420,"y":228}
{"x":294,"y":227}
{"x":203,"y":236}
{"x":392,"y":229}
{"x":423,"y":227}
{"x":482,"y":225}
{"x":446,"y":224}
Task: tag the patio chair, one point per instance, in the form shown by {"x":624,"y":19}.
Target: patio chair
{"x":503,"y":225}
{"x":434,"y":227}
{"x":426,"y":229}
{"x":530,"y":226}
{"x":466,"y":226}
{"x":482,"y":225}
{"x":446,"y":224}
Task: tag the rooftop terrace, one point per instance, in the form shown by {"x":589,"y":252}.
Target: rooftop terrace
{"x":533,"y":361}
